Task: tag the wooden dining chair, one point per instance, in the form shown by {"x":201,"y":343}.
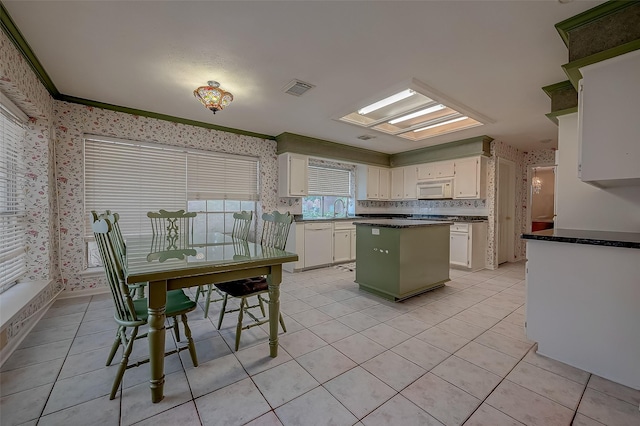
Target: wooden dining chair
{"x":241,"y":226}
{"x":131,"y":314}
{"x":275,"y":230}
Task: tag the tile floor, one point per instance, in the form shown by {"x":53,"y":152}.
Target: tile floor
{"x":456,"y":355}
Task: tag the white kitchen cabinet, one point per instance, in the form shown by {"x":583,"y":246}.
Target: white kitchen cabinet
{"x":467,"y":246}
{"x":470,"y":179}
{"x":437,"y":170}
{"x":318,"y":244}
{"x":373,"y":183}
{"x":344,"y":242}
{"x":295,"y":244}
{"x":293,"y":172}
{"x":608,"y":122}
{"x":403,"y":183}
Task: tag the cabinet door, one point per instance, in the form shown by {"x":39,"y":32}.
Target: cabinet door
{"x":397,"y":184}
{"x":427,"y":171}
{"x":410,"y":182}
{"x":383,"y":184}
{"x":466,"y":184}
{"x":373,"y":183}
{"x":445,"y":169}
{"x":341,"y":246}
{"x":353,"y":244}
{"x":459,"y":248}
{"x":298,"y":181}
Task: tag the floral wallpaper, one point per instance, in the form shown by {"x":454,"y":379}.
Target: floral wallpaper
{"x":72,"y":121}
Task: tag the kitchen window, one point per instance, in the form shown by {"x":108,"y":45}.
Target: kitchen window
{"x":12,"y":195}
{"x":330,"y":193}
{"x":132,"y":178}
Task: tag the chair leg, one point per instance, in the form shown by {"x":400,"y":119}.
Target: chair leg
{"x":208,"y":301}
{"x":282,"y":324}
{"x":243,"y":301}
{"x":140,"y":292}
{"x":261,"y":306}
{"x":176,"y":329}
{"x":224,"y":307}
{"x":192,"y":346}
{"x":123,"y":363}
{"x":116,"y":344}
{"x":198,"y":291}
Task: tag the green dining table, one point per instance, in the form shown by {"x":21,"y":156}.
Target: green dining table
{"x":205,"y":259}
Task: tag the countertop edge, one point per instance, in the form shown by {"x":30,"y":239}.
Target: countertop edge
{"x":402,"y":223}
{"x":548,"y":235}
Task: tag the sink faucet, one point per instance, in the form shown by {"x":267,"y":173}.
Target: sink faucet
{"x":335,"y":204}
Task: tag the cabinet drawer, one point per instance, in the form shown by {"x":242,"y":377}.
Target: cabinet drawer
{"x":460,"y":227}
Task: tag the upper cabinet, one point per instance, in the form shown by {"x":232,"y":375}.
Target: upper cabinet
{"x":439,"y":170}
{"x":608,"y":124}
{"x":373,"y":183}
{"x":470,"y":177}
{"x":403,"y":183}
{"x":293,"y":175}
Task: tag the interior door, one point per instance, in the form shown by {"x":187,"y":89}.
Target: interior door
{"x":506,"y":210}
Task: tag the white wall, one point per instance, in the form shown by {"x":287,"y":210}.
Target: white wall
{"x":584,"y":206}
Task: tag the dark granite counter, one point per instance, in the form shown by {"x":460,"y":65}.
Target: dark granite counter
{"x":446,"y":218}
{"x":402,"y":223}
{"x":577,"y":236}
{"x":450,"y":218}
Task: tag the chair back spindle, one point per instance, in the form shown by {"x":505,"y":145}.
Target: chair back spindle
{"x":275,"y":229}
{"x":241,"y":224}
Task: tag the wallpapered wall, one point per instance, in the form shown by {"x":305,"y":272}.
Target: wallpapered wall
{"x":72,"y":121}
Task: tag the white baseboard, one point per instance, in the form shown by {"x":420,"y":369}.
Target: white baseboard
{"x":86,"y":292}
{"x":13,"y":344}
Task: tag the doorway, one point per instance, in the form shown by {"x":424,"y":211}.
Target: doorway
{"x":506,"y":205}
{"x":541,"y":191}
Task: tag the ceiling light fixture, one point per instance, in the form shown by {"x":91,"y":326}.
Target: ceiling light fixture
{"x":417,"y":114}
{"x":386,"y":101}
{"x":536,"y":182}
{"x":213,"y":97}
{"x":464,"y":117}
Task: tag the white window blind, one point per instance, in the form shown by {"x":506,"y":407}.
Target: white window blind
{"x":132,"y":178}
{"x":327,"y":181}
{"x":12,"y":202}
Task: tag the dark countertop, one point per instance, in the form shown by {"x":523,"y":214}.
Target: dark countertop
{"x":402,"y":223}
{"x":578,"y":236}
{"x":447,"y":218}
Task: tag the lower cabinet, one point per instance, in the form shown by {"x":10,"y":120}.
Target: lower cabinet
{"x":344,"y":242}
{"x":467,"y":245}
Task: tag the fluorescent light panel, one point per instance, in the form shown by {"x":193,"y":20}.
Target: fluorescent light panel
{"x":417,"y":114}
{"x":464,"y":117}
{"x":386,"y":101}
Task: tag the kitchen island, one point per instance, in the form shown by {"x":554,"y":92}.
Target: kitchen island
{"x":397,"y":259}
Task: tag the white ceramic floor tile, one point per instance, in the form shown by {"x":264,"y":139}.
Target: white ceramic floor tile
{"x":616,"y":390}
{"x":29,"y":377}
{"x":487,"y":358}
{"x":283,"y":383}
{"x":318,"y":300}
{"x":428,"y":315}
{"x":100,"y":411}
{"x":385,"y":335}
{"x":332,"y":331}
{"x":421,"y":353}
{"x":325,"y":363}
{"x":504,"y":344}
{"x":582,"y":420}
{"x":312,"y":317}
{"x":358,"y":321}
{"x":528,"y":407}
{"x":360,"y":391}
{"x":81,"y":388}
{"x":486,"y":415}
{"x":399,"y":411}
{"x":548,"y":384}
{"x":183,"y":415}
{"x":461,"y":328}
{"x":468,"y":377}
{"x":382,"y":312}
{"x":512,"y":330}
{"x":317,"y":407}
{"x":207,"y":350}
{"x":48,"y":336}
{"x":394,"y":370}
{"x":23,"y":406}
{"x":447,"y":403}
{"x":215,"y":374}
{"x":608,"y":409}
{"x":91,"y":342}
{"x":337,"y":309}
{"x":256,"y":358}
{"x":36,"y":354}
{"x":294,"y":307}
{"x":358,"y":347}
{"x":560,"y":368}
{"x":233,"y":405}
{"x":269,"y":419}
{"x":408,"y":324}
{"x":443,"y":339}
{"x":301,"y":342}
{"x":476,"y":318}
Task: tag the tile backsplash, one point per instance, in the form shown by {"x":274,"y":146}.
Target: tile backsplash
{"x":434,"y":207}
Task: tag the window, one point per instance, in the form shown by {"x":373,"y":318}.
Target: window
{"x":329,"y":193}
{"x":12,"y":192}
{"x":132,"y":178}
{"x":217,"y":216}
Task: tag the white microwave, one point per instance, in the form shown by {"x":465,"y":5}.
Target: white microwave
{"x":437,"y":189}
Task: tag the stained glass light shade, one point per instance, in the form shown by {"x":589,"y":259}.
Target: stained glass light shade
{"x":213,"y":97}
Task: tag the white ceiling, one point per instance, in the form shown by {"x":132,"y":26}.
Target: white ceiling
{"x":492,"y":56}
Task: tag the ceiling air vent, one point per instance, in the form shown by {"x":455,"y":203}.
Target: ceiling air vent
{"x":365,"y":137}
{"x":297,"y":87}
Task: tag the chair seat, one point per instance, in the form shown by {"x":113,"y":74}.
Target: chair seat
{"x":177,"y":303}
{"x":244,"y":287}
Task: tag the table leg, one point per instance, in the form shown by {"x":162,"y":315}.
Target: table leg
{"x":156,"y":336}
{"x":273,"y":280}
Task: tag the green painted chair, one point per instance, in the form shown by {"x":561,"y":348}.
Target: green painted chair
{"x":275,"y":230}
{"x":240,"y":231}
{"x":131,"y":314}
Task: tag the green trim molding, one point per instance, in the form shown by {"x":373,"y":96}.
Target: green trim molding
{"x":290,"y":142}
{"x":553,"y":116}
{"x":480,"y":145}
{"x":572,"y":69}
{"x":562,"y":95}
{"x":587,"y":17}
